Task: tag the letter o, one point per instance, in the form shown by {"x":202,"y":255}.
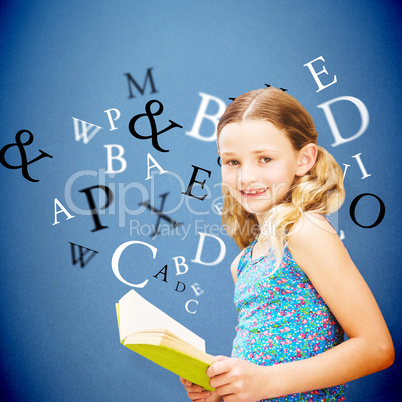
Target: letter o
{"x":380,"y":217}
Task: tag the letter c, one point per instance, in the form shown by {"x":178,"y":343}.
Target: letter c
{"x":116,"y":258}
{"x":191,"y":312}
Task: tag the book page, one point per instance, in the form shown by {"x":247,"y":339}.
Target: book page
{"x":137,"y":314}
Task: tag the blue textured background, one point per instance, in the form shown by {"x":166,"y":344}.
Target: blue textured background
{"x":59,"y":338}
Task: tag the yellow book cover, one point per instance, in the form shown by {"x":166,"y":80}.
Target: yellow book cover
{"x":148,"y":331}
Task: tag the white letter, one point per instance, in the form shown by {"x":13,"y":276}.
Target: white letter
{"x":197,"y":290}
{"x":195,"y":131}
{"x":109,"y":116}
{"x":85,"y":130}
{"x":191,"y":312}
{"x":156,"y":164}
{"x":364,"y":114}
{"x":116,"y":257}
{"x":315,"y":74}
{"x":62,"y":209}
{"x":180,"y":263}
{"x":119,"y":157}
{"x":222,"y":252}
{"x":361,"y":166}
{"x":346,"y":169}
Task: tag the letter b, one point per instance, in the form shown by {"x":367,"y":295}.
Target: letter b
{"x":202,"y":114}
{"x":110,"y":158}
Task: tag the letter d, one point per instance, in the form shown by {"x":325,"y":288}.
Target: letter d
{"x":222,"y":252}
{"x":364,"y":114}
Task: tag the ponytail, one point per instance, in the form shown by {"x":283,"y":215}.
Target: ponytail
{"x":320,"y":190}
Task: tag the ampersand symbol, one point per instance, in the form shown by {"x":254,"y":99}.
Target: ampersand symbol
{"x":154,"y":132}
{"x":24,"y":162}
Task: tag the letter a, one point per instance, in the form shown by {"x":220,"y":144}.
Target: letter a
{"x":156,"y":164}
{"x":85,"y":128}
{"x":62,"y":209}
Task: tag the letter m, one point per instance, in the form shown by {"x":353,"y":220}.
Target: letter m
{"x":82,"y":251}
{"x":131,"y":81}
{"x":84,"y":131}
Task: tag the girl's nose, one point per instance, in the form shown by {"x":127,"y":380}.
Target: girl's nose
{"x":247,"y":175}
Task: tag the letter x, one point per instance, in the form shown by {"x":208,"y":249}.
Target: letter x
{"x":160,"y":214}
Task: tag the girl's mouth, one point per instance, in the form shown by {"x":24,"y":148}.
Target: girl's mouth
{"x":256,"y":192}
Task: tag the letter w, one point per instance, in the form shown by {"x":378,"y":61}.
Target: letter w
{"x":83,"y":251}
{"x":85,"y":128}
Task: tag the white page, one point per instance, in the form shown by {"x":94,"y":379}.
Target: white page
{"x":137,"y":314}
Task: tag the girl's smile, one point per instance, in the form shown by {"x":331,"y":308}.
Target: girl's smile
{"x":254,"y":192}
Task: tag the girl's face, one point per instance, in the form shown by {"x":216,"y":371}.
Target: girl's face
{"x":259,"y":164}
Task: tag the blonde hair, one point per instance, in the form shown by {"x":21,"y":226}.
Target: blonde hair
{"x":320,"y":190}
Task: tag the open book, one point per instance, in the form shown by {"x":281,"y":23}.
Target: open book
{"x":150,"y":332}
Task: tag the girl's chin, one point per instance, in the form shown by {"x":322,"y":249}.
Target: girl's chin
{"x":254,"y":208}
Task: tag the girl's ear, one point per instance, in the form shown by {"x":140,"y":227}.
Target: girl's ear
{"x":307,"y":158}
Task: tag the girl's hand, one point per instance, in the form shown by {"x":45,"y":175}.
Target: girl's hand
{"x":236,"y":380}
{"x":197,"y":393}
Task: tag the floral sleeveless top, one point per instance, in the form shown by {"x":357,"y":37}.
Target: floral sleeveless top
{"x":282,"y":318}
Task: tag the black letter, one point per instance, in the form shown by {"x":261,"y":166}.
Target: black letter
{"x":163,"y":271}
{"x":192,"y":181}
{"x":353,"y":208}
{"x":91,"y":203}
{"x":141,"y":90}
{"x":177,"y":287}
{"x":81,"y":254}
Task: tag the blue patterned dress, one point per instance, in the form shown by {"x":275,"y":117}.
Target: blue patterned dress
{"x":282,"y":318}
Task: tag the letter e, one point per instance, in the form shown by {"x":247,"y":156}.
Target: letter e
{"x":315,"y":74}
{"x":192,"y":181}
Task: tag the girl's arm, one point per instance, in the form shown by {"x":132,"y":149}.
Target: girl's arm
{"x":318,"y":250}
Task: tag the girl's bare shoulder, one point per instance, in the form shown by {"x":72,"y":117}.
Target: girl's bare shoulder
{"x":309,"y":225}
{"x":312,"y":240}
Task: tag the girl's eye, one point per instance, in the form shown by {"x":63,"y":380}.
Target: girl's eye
{"x":232,"y":162}
{"x":265,"y":160}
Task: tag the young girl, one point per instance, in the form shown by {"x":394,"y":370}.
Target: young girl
{"x":297,"y":290}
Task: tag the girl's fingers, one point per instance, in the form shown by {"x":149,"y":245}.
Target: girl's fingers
{"x":193,"y":388}
{"x":194,"y":391}
{"x":199,"y":395}
{"x":189,"y":386}
{"x":185,"y":382}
